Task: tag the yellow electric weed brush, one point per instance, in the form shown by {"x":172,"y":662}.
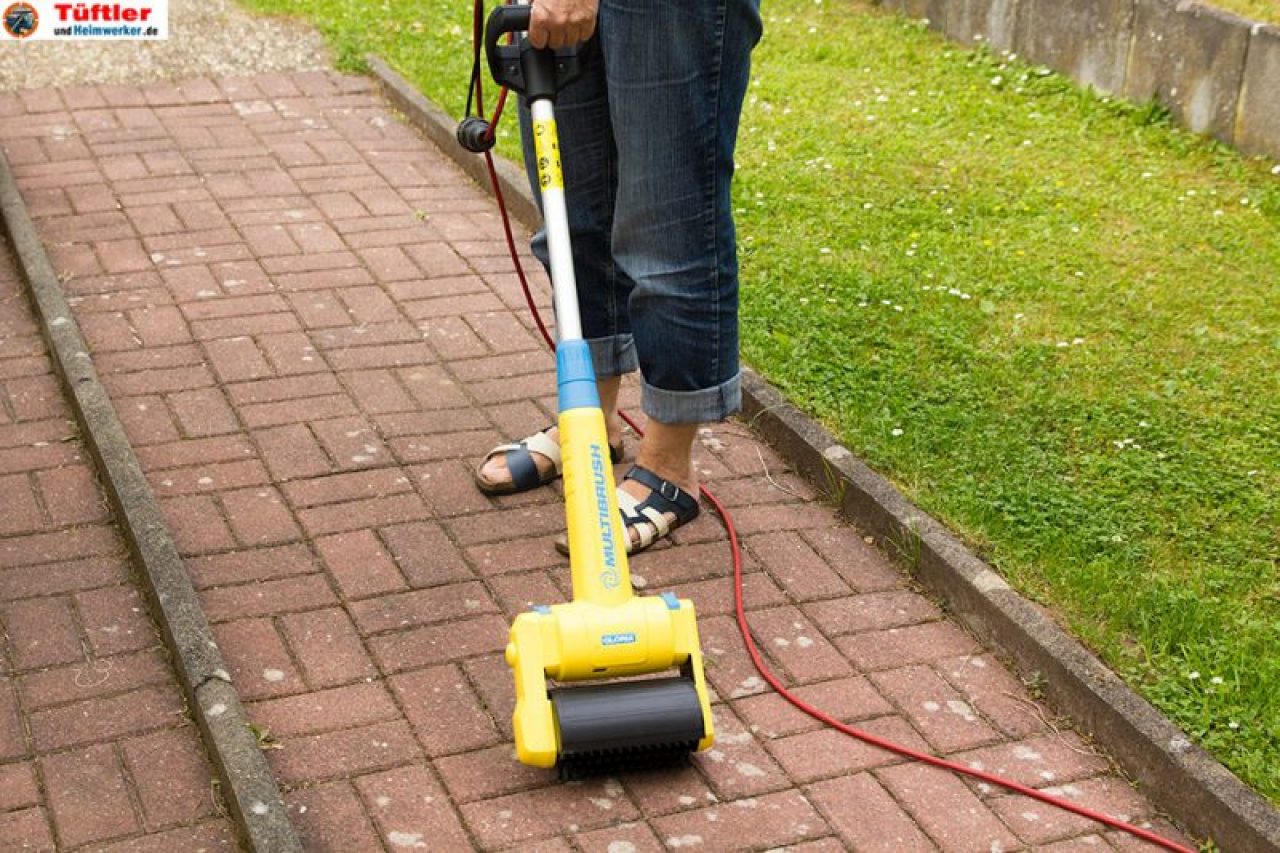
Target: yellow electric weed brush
{"x":606,"y":634}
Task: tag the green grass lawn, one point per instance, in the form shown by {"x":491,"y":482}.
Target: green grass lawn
{"x":1052,"y":319}
{"x":1256,"y":10}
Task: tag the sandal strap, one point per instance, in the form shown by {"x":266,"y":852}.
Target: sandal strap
{"x":522,"y":468}
{"x":520,"y":462}
{"x":648,"y":518}
{"x":540,"y":442}
{"x":649,"y":524}
{"x":680,"y":502}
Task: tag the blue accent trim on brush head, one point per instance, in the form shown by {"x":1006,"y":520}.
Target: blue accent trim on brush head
{"x":575,"y":376}
{"x":673,"y":603}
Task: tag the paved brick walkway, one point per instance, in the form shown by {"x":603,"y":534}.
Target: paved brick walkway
{"x":306,"y":319}
{"x":96,"y":747}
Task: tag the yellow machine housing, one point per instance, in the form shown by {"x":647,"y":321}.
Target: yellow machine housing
{"x":606,"y":632}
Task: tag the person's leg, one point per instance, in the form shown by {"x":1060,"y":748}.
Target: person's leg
{"x":589,"y":163}
{"x":677,"y":75}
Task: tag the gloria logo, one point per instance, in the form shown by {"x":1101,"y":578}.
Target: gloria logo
{"x":21,"y":20}
{"x":618,"y":639}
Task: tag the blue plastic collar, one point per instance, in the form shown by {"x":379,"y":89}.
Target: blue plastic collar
{"x":575,"y":376}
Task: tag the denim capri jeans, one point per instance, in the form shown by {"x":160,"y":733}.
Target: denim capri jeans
{"x":647,"y":140}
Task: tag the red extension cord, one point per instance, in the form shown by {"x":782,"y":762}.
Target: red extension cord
{"x":756,"y":658}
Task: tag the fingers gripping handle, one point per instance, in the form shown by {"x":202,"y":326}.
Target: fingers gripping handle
{"x":521,"y":67}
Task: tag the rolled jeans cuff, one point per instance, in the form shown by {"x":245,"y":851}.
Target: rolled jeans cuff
{"x":613,"y":356}
{"x":707,"y":405}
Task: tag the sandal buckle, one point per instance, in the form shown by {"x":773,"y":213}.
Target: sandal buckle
{"x":675,"y":491}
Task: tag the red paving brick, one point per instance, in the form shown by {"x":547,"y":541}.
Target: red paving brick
{"x":410,"y":809}
{"x":775,"y":820}
{"x":446,"y":714}
{"x":877,"y":824}
{"x":308,"y":371}
{"x":330,"y":818}
{"x":946,"y":809}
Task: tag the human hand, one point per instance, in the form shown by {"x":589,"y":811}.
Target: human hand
{"x":561,"y":23}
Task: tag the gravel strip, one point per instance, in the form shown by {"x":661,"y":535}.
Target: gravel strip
{"x":206,"y":39}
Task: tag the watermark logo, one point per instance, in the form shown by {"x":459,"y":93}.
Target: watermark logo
{"x":21,"y":20}
{"x":56,"y":20}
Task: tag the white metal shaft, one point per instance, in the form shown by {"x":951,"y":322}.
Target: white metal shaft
{"x":555,"y":219}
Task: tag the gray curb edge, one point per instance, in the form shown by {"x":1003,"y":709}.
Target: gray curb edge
{"x":1180,"y":778}
{"x":247,"y":783}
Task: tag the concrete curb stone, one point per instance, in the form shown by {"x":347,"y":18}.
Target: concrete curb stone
{"x":248,"y":785}
{"x":1181,"y":778}
{"x":934,"y":11}
{"x":1258,"y":123}
{"x":1087,"y":39}
{"x":1217,"y":72}
{"x":1190,"y":58}
{"x":991,"y":21}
